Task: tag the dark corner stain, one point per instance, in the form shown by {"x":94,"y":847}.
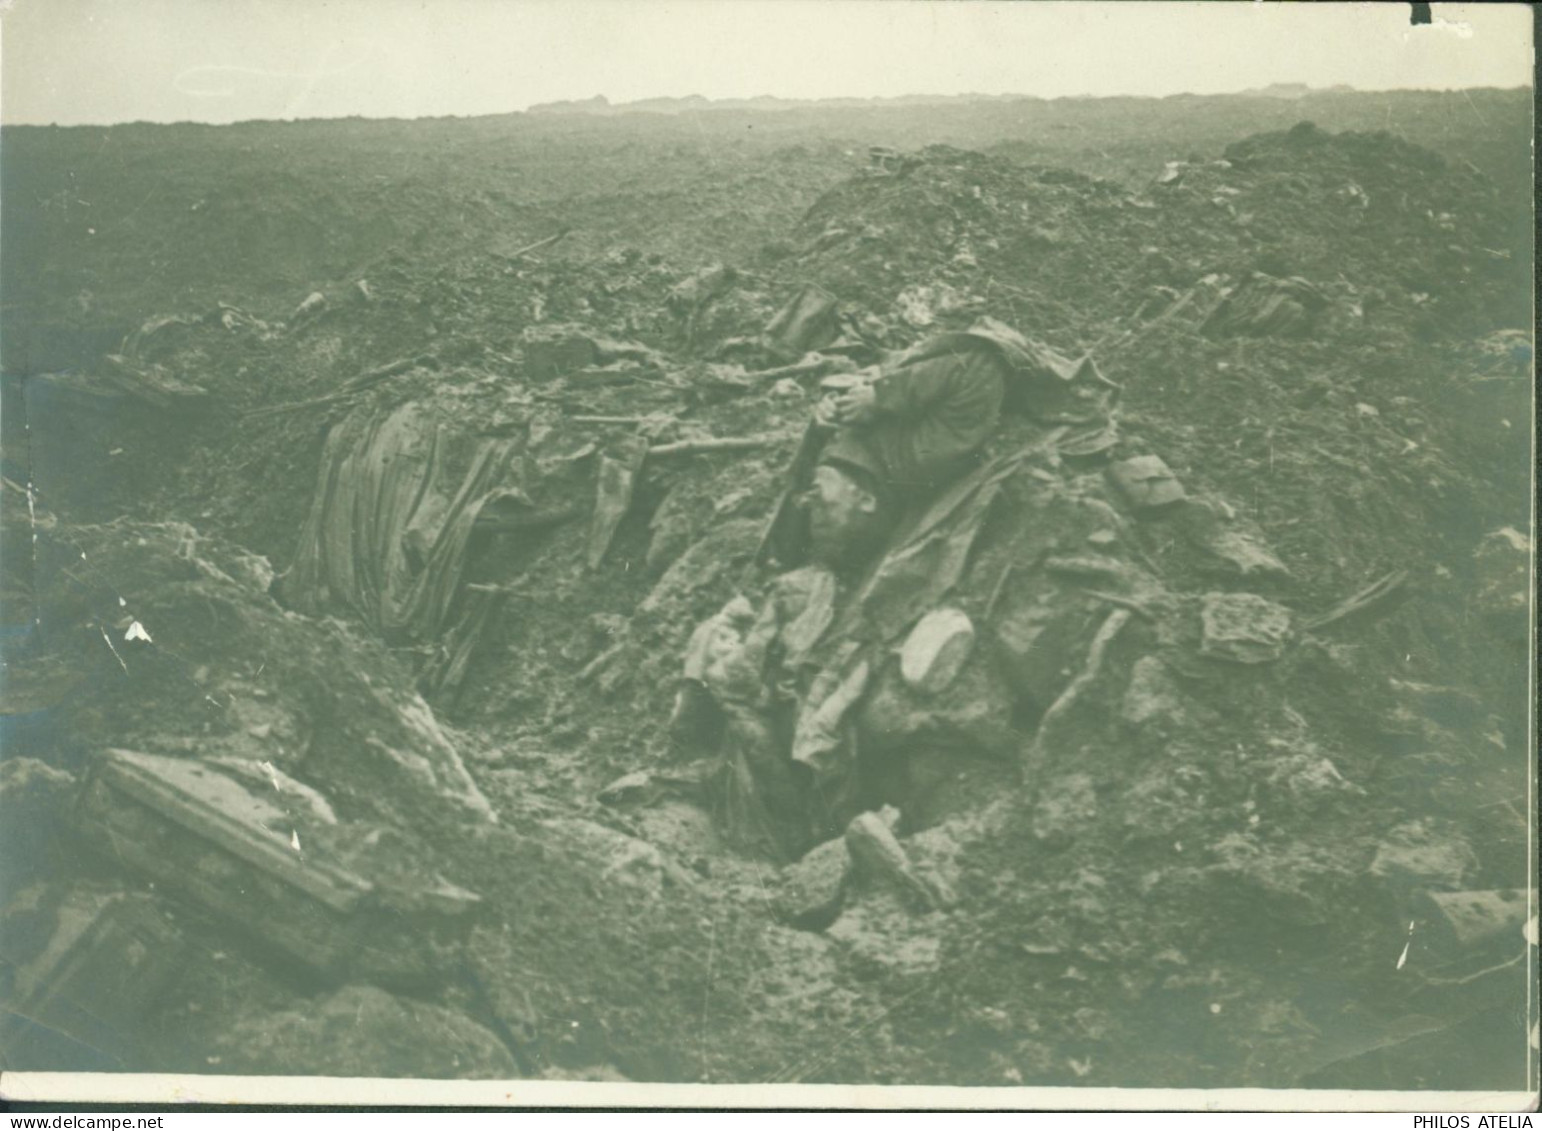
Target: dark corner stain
{"x":1419,"y":15}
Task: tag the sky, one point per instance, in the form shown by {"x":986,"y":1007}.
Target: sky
{"x":104,"y":61}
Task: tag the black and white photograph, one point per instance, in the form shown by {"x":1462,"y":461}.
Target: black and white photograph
{"x":768,"y":553}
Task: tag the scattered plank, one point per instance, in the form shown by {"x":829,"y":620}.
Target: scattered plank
{"x":352,"y":387}
{"x":1378,"y":596}
{"x":726,"y":444}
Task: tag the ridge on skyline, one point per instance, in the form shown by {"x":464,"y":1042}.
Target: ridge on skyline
{"x":601,"y":105}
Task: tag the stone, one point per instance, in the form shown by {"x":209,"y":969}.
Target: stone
{"x":1470,"y":918}
{"x":936,"y":649}
{"x":618,"y":859}
{"x":812,"y":888}
{"x":629,"y":789}
{"x":314,"y":304}
{"x":1216,"y":531}
{"x":1243,"y":628}
{"x":1147,"y":482}
{"x":1152,"y":696}
{"x":206,"y":838}
{"x":883,"y":932}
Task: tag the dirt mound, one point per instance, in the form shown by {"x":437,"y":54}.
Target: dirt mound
{"x":1259,"y":717}
{"x":1400,"y":236}
{"x":188,"y":655}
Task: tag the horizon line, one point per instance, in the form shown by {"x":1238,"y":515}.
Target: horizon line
{"x":537,"y":109}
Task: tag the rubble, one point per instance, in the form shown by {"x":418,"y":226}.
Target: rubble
{"x":1088,"y":690}
{"x":812,"y":888}
{"x":1243,"y":628}
{"x":197,"y":833}
{"x":362,"y":1031}
{"x":1146,"y":482}
{"x":86,"y":968}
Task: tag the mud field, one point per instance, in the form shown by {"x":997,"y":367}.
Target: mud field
{"x":366,"y":482}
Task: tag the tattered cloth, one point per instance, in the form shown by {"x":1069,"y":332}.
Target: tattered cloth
{"x":391,"y":521}
{"x":1045,"y":385}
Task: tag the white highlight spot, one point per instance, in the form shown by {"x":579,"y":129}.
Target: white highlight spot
{"x":136,"y":631}
{"x":110,"y":644}
{"x":1402,"y":958}
{"x":294,"y":840}
{"x":122,"y":604}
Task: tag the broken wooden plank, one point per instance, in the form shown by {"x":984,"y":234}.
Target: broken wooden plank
{"x":534,"y":520}
{"x":1379,"y":596}
{"x":206,"y":838}
{"x":520,"y":253}
{"x":619,"y":466}
{"x":1037,"y":753}
{"x":726,"y":444}
{"x":351,"y":387}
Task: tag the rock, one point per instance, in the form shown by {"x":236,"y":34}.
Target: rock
{"x":361,"y":1031}
{"x":616,"y":858}
{"x":812,"y":888}
{"x":937,"y":852}
{"x":884,"y":932}
{"x":1470,"y":918}
{"x":1243,"y":628}
{"x":1152,"y":695}
{"x":634,"y":788}
{"x":1213,"y":530}
{"x":1147,"y":482}
{"x":935,"y":650}
{"x":314,"y":304}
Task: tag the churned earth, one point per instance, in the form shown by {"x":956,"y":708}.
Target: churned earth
{"x":1218,"y":873}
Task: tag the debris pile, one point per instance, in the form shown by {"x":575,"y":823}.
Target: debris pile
{"x":1127,"y":756}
